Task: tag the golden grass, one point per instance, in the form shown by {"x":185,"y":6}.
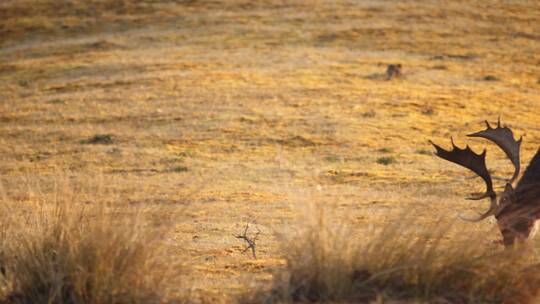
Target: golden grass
{"x":73,"y":250}
{"x":331,"y":262}
{"x":228,"y":110}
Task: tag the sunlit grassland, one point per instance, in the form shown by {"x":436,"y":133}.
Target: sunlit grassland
{"x":241,"y":111}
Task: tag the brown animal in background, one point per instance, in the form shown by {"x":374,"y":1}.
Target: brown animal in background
{"x":393,"y":71}
{"x":516,"y":209}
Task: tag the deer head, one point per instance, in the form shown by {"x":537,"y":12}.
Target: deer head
{"x":501,"y":203}
{"x":504,"y":138}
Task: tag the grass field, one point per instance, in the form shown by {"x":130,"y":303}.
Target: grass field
{"x":213,"y":114}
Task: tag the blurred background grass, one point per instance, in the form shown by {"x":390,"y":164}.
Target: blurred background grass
{"x":241,"y":111}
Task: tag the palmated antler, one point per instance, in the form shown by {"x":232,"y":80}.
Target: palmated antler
{"x":476,"y":163}
{"x":470,"y":160}
{"x":504,"y":138}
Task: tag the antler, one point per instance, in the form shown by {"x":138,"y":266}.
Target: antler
{"x":476,"y":163}
{"x":504,"y":138}
{"x":470,"y":160}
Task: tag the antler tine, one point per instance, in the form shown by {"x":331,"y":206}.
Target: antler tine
{"x":504,"y":138}
{"x":470,"y":160}
{"x":476,"y":163}
{"x":493,"y":210}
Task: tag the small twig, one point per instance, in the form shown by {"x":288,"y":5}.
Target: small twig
{"x":251,"y":241}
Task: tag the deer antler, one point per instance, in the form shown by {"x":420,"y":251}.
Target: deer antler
{"x":476,"y":163}
{"x":504,"y":138}
{"x":470,"y":160}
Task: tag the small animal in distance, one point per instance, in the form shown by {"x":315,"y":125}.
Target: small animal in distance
{"x":393,"y":71}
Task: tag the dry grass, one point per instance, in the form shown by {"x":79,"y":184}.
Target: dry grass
{"x":225,"y":110}
{"x":330,"y":262}
{"x":73,"y":250}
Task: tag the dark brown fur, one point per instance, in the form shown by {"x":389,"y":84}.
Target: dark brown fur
{"x":393,"y":71}
{"x":517,"y":220}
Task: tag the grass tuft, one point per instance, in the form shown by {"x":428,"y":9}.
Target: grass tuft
{"x":69,"y":251}
{"x":490,"y":78}
{"x":386,"y":160}
{"x":403,"y":261}
{"x":179,"y":169}
{"x":424,"y":152}
{"x":103,"y":139}
{"x":369,"y":114}
{"x":56,"y":101}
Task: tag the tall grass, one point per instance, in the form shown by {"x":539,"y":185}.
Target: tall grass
{"x":403,"y":261}
{"x":67,"y":249}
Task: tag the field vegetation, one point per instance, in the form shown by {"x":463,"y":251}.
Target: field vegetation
{"x":139,"y":138}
